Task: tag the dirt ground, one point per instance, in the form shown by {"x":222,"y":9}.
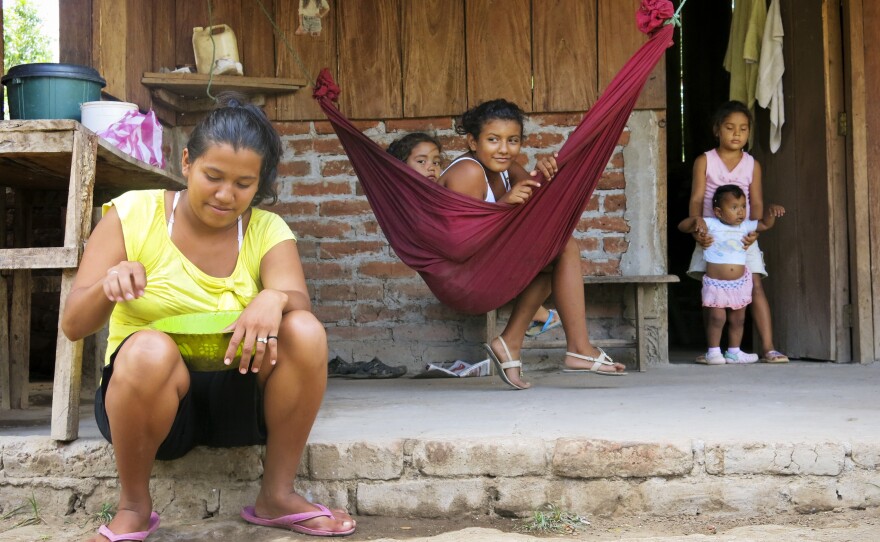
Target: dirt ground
{"x":835,"y":526}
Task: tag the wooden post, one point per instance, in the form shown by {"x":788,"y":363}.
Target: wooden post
{"x":5,"y":388}
{"x":641,"y":339}
{"x":78,"y":224}
{"x":20,"y":315}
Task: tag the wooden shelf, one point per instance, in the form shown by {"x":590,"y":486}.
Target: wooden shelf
{"x":187,"y":92}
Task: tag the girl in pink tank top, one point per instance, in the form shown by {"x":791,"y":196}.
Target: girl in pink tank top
{"x":729,"y":163}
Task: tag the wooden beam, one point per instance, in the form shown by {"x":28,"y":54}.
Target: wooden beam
{"x":38,"y":258}
{"x":859,"y":212}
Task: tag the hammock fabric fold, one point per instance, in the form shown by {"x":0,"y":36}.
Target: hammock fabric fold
{"x":476,"y":256}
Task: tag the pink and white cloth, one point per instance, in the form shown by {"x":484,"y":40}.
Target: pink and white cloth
{"x":138,"y":135}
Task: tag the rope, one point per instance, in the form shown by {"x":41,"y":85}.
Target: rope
{"x":290,"y":49}
{"x":676,"y":17}
{"x":213,"y":52}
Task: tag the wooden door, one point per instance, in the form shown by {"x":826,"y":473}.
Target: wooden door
{"x":806,"y":253}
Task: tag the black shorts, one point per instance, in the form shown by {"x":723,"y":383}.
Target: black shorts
{"x":221,"y":409}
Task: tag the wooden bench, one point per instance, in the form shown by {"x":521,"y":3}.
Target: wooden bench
{"x":638,"y":282}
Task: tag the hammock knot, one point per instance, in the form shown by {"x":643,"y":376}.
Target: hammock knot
{"x":653,"y":14}
{"x":326,"y":87}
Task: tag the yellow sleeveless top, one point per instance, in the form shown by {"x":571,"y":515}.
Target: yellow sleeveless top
{"x":174,"y":284}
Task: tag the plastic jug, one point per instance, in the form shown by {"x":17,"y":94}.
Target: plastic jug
{"x":225,"y":46}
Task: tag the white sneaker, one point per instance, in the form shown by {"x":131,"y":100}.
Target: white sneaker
{"x":740,"y":357}
{"x":712,"y":359}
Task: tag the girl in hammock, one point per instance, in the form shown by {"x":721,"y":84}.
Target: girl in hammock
{"x":489,"y":171}
{"x":424,"y":154}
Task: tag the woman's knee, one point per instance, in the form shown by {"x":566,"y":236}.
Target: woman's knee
{"x":303,"y":335}
{"x":144,"y":355}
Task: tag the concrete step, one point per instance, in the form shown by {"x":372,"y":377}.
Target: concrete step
{"x":737,"y":441}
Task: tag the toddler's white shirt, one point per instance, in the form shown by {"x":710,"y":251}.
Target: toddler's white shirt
{"x":727,"y":244}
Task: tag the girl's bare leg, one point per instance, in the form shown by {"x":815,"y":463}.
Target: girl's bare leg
{"x":149,"y":380}
{"x":715,"y":319}
{"x":568,"y":293}
{"x":735,"y":323}
{"x":292,"y":393}
{"x":520,"y":318}
{"x":761,"y":314}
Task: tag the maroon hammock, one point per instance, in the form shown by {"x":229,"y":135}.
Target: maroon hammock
{"x":473,"y":255}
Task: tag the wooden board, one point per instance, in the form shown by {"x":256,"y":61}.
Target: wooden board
{"x":315,"y":53}
{"x":195,"y":84}
{"x":498,"y":34}
{"x":433,"y":58}
{"x":163,"y":45}
{"x":188,"y":15}
{"x":257,"y":45}
{"x":75,"y":35}
{"x":110,"y":45}
{"x":139,"y":19}
{"x":47,"y":169}
{"x":566,"y":71}
{"x":619,"y":38}
{"x":871,"y":20}
{"x":5,"y":382}
{"x":369,"y":59}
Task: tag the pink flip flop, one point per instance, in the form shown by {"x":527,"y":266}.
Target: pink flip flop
{"x":292,"y":522}
{"x":105,"y":531}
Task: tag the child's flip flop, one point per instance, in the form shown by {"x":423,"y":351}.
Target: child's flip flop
{"x":537,"y":328}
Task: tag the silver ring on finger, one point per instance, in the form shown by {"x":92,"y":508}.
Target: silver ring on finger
{"x":263,"y":340}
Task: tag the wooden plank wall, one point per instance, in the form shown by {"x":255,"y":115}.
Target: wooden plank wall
{"x":392,"y":58}
{"x":871,"y":20}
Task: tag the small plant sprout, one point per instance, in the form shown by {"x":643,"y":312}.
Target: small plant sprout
{"x":554,"y":520}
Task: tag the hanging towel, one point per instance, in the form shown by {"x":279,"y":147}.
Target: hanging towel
{"x":770,"y":70}
{"x":744,"y":49}
{"x":473,"y":255}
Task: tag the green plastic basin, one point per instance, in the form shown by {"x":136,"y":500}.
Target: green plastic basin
{"x":200,"y":338}
{"x":50,"y":90}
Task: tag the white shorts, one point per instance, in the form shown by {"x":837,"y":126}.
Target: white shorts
{"x":754,"y":261}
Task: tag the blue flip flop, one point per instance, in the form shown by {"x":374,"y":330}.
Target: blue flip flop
{"x":537,"y":328}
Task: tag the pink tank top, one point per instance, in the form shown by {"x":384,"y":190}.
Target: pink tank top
{"x":717,"y":175}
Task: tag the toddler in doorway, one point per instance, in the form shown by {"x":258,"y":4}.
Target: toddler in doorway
{"x":727,"y":283}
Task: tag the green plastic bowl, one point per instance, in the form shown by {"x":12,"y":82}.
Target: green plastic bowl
{"x":200,"y":338}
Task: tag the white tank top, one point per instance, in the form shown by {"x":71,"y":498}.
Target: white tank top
{"x":171,"y":221}
{"x":490,"y":196}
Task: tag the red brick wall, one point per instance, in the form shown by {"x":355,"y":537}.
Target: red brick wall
{"x":371,"y":303}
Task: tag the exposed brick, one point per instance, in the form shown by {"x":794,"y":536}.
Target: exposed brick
{"x":341,"y":249}
{"x":320,"y":188}
{"x":356,"y":461}
{"x":617,"y":160}
{"x":421,"y":332}
{"x":543,"y":139}
{"x":436,"y":311}
{"x":324,"y":127}
{"x":364,"y":313}
{"x":345,"y":207}
{"x":611,"y":180}
{"x":358,"y":333}
{"x":301,"y":146}
{"x":557,"y":119}
{"x":591,"y":268}
{"x":615,"y":203}
{"x":295,"y":208}
{"x":593,"y":205}
{"x":615,"y":245}
{"x":604,"y":223}
{"x":501,"y":457}
{"x":453,"y":143}
{"x":385,"y":270}
{"x":328,"y":146}
{"x":418,"y":125}
{"x":588,"y":244}
{"x":332,"y":313}
{"x":323,"y":270}
{"x":413,"y":290}
{"x":307,"y":249}
{"x":334,"y":168}
{"x":426,"y":498}
{"x":370,"y":227}
{"x":297,"y":168}
{"x":624,"y":138}
{"x":292,"y":128}
{"x":574,"y":458}
{"x":318,"y":228}
{"x":350,"y":292}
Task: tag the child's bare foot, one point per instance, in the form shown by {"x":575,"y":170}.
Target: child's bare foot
{"x":596,"y":355}
{"x":503,"y":354}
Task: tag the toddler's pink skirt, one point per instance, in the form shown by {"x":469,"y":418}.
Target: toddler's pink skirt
{"x":728,"y":294}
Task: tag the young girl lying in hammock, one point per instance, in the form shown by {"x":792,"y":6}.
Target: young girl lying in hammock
{"x":489,"y":171}
{"x":424,"y":154}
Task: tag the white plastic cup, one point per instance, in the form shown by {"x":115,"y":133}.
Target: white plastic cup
{"x":97,"y":116}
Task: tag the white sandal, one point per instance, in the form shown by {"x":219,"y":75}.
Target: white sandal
{"x":603,"y":359}
{"x":500,"y":367}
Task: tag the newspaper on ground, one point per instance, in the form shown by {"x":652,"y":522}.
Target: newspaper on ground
{"x":455,"y":369}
